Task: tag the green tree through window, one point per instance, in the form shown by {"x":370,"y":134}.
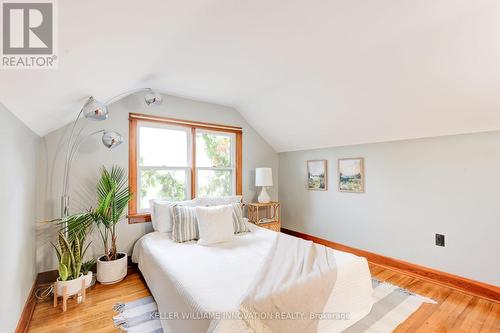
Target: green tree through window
{"x":216,"y":182}
{"x":171,"y":188}
{"x":218,"y":151}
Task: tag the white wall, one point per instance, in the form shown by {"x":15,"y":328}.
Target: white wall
{"x":93,"y":155}
{"x":19,"y":146}
{"x":414,"y":189}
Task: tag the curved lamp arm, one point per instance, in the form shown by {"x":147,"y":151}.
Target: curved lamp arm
{"x":126,"y":93}
{"x":73,"y":150}
{"x":69,"y":161}
{"x":68,"y":152}
{"x":100,"y":113}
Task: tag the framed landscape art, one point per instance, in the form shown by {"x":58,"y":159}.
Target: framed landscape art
{"x":351,"y":175}
{"x":317,"y":175}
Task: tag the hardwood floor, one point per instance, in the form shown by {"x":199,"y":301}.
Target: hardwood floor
{"x":95,"y":315}
{"x":455,"y":311}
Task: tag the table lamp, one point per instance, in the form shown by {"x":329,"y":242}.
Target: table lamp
{"x":264,"y":178}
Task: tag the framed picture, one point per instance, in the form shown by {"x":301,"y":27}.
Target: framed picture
{"x":351,"y":173}
{"x":317,"y":175}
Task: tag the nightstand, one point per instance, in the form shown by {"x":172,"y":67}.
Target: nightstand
{"x":266,"y":215}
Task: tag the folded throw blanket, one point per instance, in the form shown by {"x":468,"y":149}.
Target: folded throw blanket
{"x":292,"y":287}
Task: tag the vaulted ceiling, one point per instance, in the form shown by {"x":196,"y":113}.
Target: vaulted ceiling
{"x":304,"y":73}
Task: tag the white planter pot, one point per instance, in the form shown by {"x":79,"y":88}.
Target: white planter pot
{"x":88,"y":279}
{"x":73,"y":287}
{"x":109,"y":272}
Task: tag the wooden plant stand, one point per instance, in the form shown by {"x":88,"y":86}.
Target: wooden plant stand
{"x":65,"y":295}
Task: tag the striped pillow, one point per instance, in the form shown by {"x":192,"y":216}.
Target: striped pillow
{"x":184,"y":224}
{"x":238,"y":223}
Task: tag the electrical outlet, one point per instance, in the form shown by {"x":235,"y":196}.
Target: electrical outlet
{"x":439,"y":240}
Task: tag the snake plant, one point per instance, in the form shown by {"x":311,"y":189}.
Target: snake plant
{"x":70,"y":251}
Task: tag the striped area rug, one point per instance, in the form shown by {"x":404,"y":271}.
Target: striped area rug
{"x":138,"y":316}
{"x":392,"y":306}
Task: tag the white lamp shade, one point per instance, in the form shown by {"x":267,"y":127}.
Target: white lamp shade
{"x":263,"y":177}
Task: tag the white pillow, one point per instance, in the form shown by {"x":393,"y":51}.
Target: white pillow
{"x":215,"y":224}
{"x":216,"y":201}
{"x":161,"y":217}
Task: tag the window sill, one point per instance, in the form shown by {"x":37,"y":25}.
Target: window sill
{"x":138,"y":218}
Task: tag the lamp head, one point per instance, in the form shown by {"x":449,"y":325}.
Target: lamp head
{"x":93,"y":109}
{"x":263,"y":177}
{"x":152,"y":98}
{"x":111,"y":139}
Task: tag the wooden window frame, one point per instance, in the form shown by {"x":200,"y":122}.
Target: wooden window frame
{"x":135,"y":118}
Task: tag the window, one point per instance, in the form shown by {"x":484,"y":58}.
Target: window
{"x":164,"y":163}
{"x":215,"y":163}
{"x":179,"y":160}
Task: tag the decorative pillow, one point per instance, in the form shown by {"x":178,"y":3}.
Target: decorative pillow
{"x":239,"y":223}
{"x":161,"y":217}
{"x":215,"y":224}
{"x":184,"y":224}
{"x":216,"y":201}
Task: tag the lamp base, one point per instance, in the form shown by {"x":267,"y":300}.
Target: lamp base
{"x":264,"y":196}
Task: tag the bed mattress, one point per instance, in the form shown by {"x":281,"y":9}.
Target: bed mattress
{"x":188,"y":280}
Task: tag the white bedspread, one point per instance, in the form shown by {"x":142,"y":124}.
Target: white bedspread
{"x":188,"y":279}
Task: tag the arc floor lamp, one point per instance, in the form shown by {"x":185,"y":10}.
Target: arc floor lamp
{"x":95,"y":110}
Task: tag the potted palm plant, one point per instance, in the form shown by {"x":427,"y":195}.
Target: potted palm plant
{"x":113,"y":195}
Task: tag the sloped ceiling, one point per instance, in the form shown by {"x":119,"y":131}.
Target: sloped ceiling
{"x":305,"y":73}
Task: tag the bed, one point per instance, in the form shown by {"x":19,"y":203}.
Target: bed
{"x":187,"y":279}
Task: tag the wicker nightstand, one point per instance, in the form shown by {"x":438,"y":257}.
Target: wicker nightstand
{"x":270,"y":219}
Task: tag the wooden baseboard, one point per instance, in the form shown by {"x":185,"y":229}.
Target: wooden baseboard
{"x":477,"y":288}
{"x":29,"y":307}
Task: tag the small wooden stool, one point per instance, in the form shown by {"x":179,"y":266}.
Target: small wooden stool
{"x":65,"y":295}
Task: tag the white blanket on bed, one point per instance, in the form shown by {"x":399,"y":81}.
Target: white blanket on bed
{"x":187,"y":277}
{"x":292,"y":287}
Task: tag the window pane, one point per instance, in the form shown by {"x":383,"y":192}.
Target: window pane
{"x":164,"y":184}
{"x":163,"y":147}
{"x":215,"y":183}
{"x":213,"y":150}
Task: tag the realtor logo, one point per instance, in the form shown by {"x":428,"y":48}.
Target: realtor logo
{"x":28,"y":34}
